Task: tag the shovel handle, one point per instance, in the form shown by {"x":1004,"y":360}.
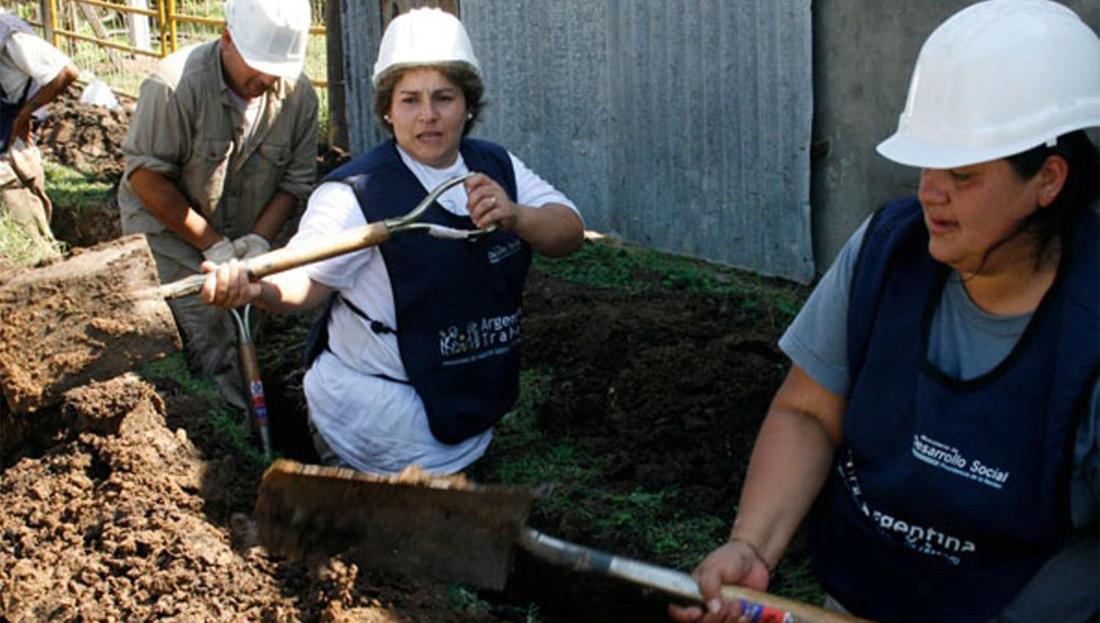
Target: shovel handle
{"x":672,"y":582}
{"x":287,"y":258}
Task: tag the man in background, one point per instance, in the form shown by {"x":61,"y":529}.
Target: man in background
{"x":33,"y":73}
{"x":220,"y":153}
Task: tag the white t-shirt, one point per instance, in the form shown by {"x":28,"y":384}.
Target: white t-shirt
{"x":250,"y":109}
{"x":28,"y":57}
{"x":373,"y":424}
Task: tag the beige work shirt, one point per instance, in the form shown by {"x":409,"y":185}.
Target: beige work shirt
{"x":187,"y":128}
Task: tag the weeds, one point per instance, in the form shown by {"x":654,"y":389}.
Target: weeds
{"x":72,"y":190}
{"x":234,"y":433}
{"x":20,"y":247}
{"x":636,"y":269}
{"x":466,"y":601}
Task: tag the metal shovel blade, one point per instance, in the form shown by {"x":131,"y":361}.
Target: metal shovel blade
{"x":437,"y":528}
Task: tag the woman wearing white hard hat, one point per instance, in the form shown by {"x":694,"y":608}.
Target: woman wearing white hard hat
{"x":417,"y":354}
{"x":939,"y":422}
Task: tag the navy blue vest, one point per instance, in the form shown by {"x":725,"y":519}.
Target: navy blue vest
{"x":947,"y":495}
{"x":8,"y":112}
{"x":457,"y":303}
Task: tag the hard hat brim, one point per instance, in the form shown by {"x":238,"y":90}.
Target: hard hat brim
{"x":908,"y":149}
{"x":914,"y":152}
{"x":286,"y":69}
{"x":395,"y":68}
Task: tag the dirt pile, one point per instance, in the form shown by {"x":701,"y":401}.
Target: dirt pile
{"x":113,"y":524}
{"x":90,"y":317}
{"x":84,"y":137}
{"x":114,"y":518}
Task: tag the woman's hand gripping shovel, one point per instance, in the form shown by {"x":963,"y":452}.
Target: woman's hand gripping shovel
{"x":369,"y":235}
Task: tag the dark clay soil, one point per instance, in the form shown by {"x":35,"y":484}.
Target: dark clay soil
{"x":126,"y":503}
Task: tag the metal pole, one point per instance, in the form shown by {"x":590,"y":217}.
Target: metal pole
{"x":162,"y":27}
{"x":51,"y":29}
{"x":46,"y":13}
{"x":172,"y":23}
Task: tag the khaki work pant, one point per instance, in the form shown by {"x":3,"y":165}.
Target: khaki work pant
{"x":23,"y":195}
{"x":209,"y":333}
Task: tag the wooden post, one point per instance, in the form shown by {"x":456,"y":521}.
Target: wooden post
{"x":138,"y":25}
{"x":337,"y":96}
{"x":46,"y":10}
{"x":101,"y":32}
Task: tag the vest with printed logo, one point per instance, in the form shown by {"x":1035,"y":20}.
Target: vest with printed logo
{"x":947,"y":495}
{"x":457,"y":302}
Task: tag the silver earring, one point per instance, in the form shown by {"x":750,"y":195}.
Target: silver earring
{"x":469,"y":116}
{"x":386,"y":118}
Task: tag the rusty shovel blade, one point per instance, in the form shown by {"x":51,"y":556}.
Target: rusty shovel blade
{"x":438,"y":528}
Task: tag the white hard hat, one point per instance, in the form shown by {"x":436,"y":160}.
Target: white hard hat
{"x":271,"y":35}
{"x":996,"y":79}
{"x":424,"y":37}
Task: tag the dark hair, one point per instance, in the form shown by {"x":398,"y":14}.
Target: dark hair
{"x":461,"y":74}
{"x":1081,"y":188}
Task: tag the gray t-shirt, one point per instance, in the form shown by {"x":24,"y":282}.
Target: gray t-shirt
{"x":964,"y":342}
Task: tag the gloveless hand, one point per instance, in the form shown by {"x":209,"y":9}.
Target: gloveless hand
{"x":733,"y":563}
{"x":228,"y":285}
{"x":21,"y":128}
{"x":489,"y":205}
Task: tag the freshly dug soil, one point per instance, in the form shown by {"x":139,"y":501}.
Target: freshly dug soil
{"x":84,"y":137}
{"x":115,"y":524}
{"x":89,"y":317}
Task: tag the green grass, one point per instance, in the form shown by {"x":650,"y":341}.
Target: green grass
{"x":656,"y":525}
{"x":465,"y":601}
{"x":636,"y":269}
{"x":522,"y":454}
{"x":20,"y":247}
{"x":72,"y":190}
{"x":174,"y":367}
{"x":231,"y":431}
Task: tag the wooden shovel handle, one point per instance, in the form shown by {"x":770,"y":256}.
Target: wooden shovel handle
{"x":802,"y":612}
{"x":670,"y":581}
{"x":287,"y":258}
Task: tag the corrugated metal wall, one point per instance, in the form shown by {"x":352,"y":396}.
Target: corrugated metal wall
{"x":682,"y":126}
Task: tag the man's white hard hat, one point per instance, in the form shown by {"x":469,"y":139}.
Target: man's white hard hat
{"x":998,"y":78}
{"x":271,"y":35}
{"x":424,"y":37}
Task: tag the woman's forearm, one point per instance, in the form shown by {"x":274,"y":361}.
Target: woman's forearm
{"x":291,"y":291}
{"x":552,"y":230}
{"x":789,"y":465}
{"x":790,"y":462}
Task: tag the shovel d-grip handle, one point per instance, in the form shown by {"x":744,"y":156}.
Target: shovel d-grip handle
{"x":369,"y":235}
{"x":760,"y":607}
